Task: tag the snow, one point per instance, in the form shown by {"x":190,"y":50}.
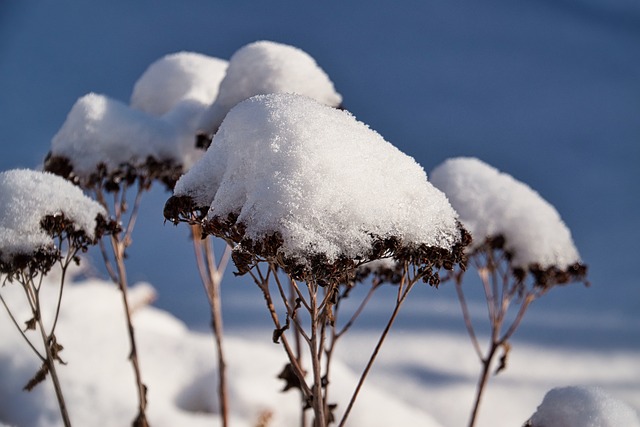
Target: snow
{"x":100,"y":130}
{"x":583,"y":407}
{"x":177,"y":367}
{"x":175,"y":78}
{"x":492,"y":203}
{"x":323,"y":180}
{"x":437,"y":371}
{"x":26,"y":197}
{"x":264,"y":67}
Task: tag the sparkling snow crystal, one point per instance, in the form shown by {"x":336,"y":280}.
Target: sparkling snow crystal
{"x":325,"y":182}
{"x":175,"y":78}
{"x":492,"y":204}
{"x":582,"y":407}
{"x":266,"y":67}
{"x":26,"y":197}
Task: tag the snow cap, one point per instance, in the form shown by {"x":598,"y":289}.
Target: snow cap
{"x":264,"y":67}
{"x":175,"y":78}
{"x":493,"y":204}
{"x":26,"y":198}
{"x":322,"y":181}
{"x":102,"y":132}
{"x":582,"y":407}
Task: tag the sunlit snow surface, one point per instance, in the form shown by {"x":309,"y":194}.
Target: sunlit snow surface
{"x":583,"y":407}
{"x":267,"y":67}
{"x":492,"y":203}
{"x":421,"y":376}
{"x":177,"y":367}
{"x":323,"y":180}
{"x":178,"y":77}
{"x":26,"y":197}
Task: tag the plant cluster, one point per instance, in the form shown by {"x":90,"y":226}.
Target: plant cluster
{"x":303,"y":289}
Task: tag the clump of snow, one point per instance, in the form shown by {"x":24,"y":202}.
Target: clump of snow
{"x":491,"y":204}
{"x":176,"y":78}
{"x":177,"y":364}
{"x":26,"y":197}
{"x":266,"y":67}
{"x":102,"y":131}
{"x":324,"y":181}
{"x":583,"y":407}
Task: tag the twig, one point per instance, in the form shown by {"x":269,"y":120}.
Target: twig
{"x":403,"y":290}
{"x":211,"y":276}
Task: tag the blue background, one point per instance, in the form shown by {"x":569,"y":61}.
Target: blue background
{"x":546,"y":90}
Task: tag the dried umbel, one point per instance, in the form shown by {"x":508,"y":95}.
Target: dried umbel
{"x":318,"y":267}
{"x":145,"y":173}
{"x":65,"y":232}
{"x":542,"y":277}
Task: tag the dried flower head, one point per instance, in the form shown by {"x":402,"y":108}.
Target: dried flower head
{"x":316,"y":192}
{"x":39,"y":211}
{"x":508,"y":217}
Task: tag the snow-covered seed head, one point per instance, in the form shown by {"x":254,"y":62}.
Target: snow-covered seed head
{"x":508,"y":216}
{"x":37,"y":210}
{"x":265,"y":67}
{"x":319,"y":193}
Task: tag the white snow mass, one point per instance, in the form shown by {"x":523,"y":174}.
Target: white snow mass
{"x":491,"y":203}
{"x":26,"y":197}
{"x":325,"y":181}
{"x":99,"y":130}
{"x":175,"y":78}
{"x":266,"y":67}
{"x":583,"y":407}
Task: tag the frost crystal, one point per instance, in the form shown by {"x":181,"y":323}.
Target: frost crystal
{"x":26,"y":198}
{"x":582,"y":407}
{"x":266,"y":67}
{"x":492,"y":204}
{"x":175,"y":78}
{"x":323,"y":182}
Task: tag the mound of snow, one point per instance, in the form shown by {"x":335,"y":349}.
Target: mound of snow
{"x":324,"y":181}
{"x":266,"y":67}
{"x":175,"y":78}
{"x":583,"y":407}
{"x":491,"y":204}
{"x":26,"y":197}
{"x":178,"y":367}
{"x":102,"y":131}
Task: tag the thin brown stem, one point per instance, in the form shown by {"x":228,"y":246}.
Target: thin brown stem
{"x":404,"y":289}
{"x":118,"y":249}
{"x":315,"y":346}
{"x":482,"y":382}
{"x":467,"y":318}
{"x":214,"y":278}
{"x":263,"y":284}
{"x":119,"y":243}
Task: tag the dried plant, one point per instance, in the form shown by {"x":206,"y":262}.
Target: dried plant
{"x":110,"y":188}
{"x":29,"y":270}
{"x":309,"y":292}
{"x":506,"y":287}
{"x":211,"y":273}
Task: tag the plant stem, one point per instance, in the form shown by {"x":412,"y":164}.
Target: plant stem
{"x":118,"y":249}
{"x":403,"y":291}
{"x":211,"y":276}
{"x":50,"y":362}
{"x":482,"y":382}
{"x":316,"y":348}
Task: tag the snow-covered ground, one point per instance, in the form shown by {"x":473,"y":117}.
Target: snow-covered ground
{"x":545,"y":91}
{"x":422,"y":378}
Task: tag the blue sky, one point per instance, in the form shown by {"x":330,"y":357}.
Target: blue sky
{"x":547,"y":91}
